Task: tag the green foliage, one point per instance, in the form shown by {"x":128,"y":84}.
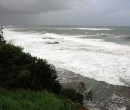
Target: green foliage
{"x":73,"y":95}
{"x":32,"y":100}
{"x":21,"y":70}
{"x":89,"y":95}
{"x":81,"y":87}
{"x":2,"y":40}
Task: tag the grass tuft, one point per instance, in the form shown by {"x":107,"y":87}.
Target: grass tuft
{"x":32,"y":100}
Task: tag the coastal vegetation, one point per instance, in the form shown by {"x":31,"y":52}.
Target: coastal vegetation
{"x":21,"y":70}
{"x":21,"y":99}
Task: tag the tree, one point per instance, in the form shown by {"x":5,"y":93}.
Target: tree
{"x":1,"y":35}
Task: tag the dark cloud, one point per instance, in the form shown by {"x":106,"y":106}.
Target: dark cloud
{"x":70,"y":12}
{"x":32,"y":6}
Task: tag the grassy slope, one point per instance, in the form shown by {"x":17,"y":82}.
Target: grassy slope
{"x":30,"y":100}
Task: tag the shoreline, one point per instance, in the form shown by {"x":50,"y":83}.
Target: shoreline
{"x":105,"y":96}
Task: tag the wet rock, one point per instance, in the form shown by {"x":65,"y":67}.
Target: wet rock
{"x":105,"y":96}
{"x":48,"y":38}
{"x":52,"y":42}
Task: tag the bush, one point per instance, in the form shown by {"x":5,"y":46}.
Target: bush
{"x":73,"y":95}
{"x":21,"y":70}
{"x":89,"y":95}
{"x":2,"y":40}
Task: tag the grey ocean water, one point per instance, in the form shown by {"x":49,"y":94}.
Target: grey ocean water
{"x":119,"y":35}
{"x":96,"y":52}
{"x":101,"y":53}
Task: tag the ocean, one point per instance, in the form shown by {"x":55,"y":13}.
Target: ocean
{"x":100,"y":53}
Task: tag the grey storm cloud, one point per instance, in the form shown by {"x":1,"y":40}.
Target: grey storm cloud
{"x":32,"y":6}
{"x":69,"y":12}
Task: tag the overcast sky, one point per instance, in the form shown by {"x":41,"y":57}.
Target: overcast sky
{"x":65,"y":12}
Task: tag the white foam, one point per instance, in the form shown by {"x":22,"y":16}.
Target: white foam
{"x":103,"y":61}
{"x":94,"y":29}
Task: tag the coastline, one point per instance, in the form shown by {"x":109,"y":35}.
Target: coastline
{"x":105,"y":96}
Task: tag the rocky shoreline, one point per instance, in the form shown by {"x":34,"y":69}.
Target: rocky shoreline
{"x":105,"y":96}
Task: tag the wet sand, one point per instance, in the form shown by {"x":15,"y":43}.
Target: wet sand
{"x":105,"y":96}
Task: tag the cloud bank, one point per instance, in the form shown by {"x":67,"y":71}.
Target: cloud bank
{"x":69,"y":12}
{"x":33,"y":6}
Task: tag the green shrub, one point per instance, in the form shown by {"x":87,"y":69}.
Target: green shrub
{"x":73,"y":95}
{"x":2,"y":40}
{"x":21,"y":70}
{"x":89,"y":95}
